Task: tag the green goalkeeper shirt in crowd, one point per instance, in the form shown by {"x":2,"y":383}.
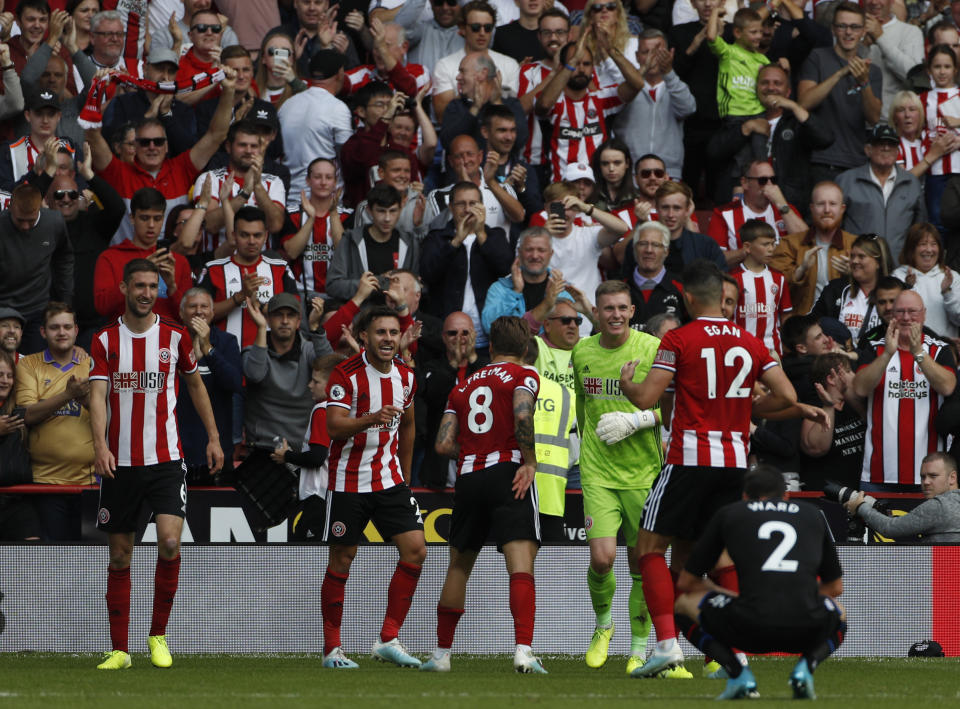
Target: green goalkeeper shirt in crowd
{"x":737,"y":79}
{"x":634,"y":462}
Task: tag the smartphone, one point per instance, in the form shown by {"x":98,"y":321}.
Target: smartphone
{"x":557,"y":210}
{"x":18,"y":412}
{"x":281,"y":53}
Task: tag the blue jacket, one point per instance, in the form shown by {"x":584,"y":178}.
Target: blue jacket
{"x":502,"y":299}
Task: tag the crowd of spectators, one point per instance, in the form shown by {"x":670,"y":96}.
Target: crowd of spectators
{"x":287,"y":163}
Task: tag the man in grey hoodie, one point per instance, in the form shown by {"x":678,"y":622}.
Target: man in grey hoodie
{"x":278,"y":367}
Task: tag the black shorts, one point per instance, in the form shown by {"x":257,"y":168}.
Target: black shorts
{"x":483,"y":503}
{"x":684,"y":498}
{"x":735,"y":624}
{"x":393,"y":511}
{"x":162,"y":486}
{"x":308,"y":520}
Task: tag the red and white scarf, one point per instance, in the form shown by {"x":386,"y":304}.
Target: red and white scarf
{"x":91,"y":116}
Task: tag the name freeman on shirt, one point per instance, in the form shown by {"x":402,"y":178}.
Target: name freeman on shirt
{"x":139,"y":382}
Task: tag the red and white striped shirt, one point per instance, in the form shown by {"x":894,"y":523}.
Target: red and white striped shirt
{"x":313,"y":481}
{"x":949,"y":164}
{"x":141,"y":374}
{"x":310,"y":267}
{"x":910,"y":152}
{"x":271,"y":183}
{"x":764,"y":300}
{"x":224,"y":277}
{"x":900,"y":415}
{"x":483,"y":405}
{"x":726,"y":221}
{"x":579,"y":127}
{"x":368,"y":462}
{"x":135,"y":14}
{"x":535,"y":152}
{"x":715,"y":365}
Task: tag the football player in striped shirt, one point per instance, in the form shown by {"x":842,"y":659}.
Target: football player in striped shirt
{"x":712,"y":365}
{"x":371,"y":427}
{"x":133,"y":397}
{"x":488,"y":427}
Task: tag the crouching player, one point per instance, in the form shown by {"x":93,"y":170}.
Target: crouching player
{"x":488,"y":428}
{"x":780,"y":548}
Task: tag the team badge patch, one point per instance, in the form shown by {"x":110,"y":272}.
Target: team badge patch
{"x":103,"y":516}
{"x":337,"y":392}
{"x":338,"y":529}
{"x":588,"y":523}
{"x":164,"y":355}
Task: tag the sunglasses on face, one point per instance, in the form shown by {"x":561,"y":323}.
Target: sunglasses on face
{"x":454,"y":333}
{"x":477,"y":26}
{"x":450,"y":3}
{"x":648,"y":172}
{"x":601,"y":6}
{"x":66,"y":194}
{"x":156,"y":142}
{"x":762,"y":180}
{"x":203,"y":29}
{"x":568,"y":319}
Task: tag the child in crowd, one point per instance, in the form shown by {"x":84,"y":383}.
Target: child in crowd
{"x":764,"y":296}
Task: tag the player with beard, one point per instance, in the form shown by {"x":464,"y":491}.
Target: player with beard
{"x":371,"y":427}
{"x":133,"y":397}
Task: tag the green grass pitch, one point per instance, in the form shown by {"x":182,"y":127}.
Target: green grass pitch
{"x":212,"y":681}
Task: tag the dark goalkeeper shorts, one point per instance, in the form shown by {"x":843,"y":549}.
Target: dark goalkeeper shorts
{"x":162,"y":486}
{"x":484,"y":503}
{"x":736,"y":624}
{"x":684,"y":498}
{"x":392,"y":511}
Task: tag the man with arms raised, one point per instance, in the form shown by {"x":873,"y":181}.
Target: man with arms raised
{"x":371,"y":427}
{"x":488,"y":427}
{"x":135,"y":363}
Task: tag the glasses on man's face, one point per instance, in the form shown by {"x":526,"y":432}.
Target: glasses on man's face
{"x":649,"y":244}
{"x":111,"y":35}
{"x":66,"y":194}
{"x":449,"y":3}
{"x":912,"y":312}
{"x":155,"y":142}
{"x":454,"y":333}
{"x":554,"y":33}
{"x":567,"y":319}
{"x":648,"y":172}
{"x":843,"y":27}
{"x":762,"y":180}
{"x":601,"y":6}
{"x":203,"y":29}
{"x":477,"y":26}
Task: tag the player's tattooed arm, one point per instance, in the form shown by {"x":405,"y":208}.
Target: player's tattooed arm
{"x":524,"y":405}
{"x":447,"y":444}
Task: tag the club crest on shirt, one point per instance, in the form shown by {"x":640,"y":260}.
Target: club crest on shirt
{"x":338,"y":529}
{"x":337,"y":392}
{"x":164,"y":355}
{"x":588,"y":523}
{"x":774,"y":289}
{"x":406,"y":393}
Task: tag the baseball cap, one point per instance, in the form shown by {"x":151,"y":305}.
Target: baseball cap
{"x":159,"y":55}
{"x":925,"y":648}
{"x":578,"y":171}
{"x":264,"y":115}
{"x":883,"y":134}
{"x":283,"y":300}
{"x":326,"y":63}
{"x":7,"y":313}
{"x":43,"y":99}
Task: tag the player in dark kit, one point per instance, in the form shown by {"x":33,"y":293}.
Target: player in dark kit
{"x":780,"y":548}
{"x":133,"y":397}
{"x":488,"y":427}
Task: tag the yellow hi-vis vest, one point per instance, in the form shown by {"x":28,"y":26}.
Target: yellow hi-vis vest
{"x":551,"y":427}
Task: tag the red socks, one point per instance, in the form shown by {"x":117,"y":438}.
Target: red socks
{"x":726,"y":577}
{"x":523,"y":606}
{"x":331,"y":608}
{"x":165,"y":580}
{"x":118,"y":606}
{"x":447,"y":619}
{"x":658,"y":593}
{"x":399,"y":598}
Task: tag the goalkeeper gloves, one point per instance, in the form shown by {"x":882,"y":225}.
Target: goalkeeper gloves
{"x":614,"y":427}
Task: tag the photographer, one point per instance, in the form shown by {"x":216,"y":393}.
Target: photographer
{"x":937,"y":519}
